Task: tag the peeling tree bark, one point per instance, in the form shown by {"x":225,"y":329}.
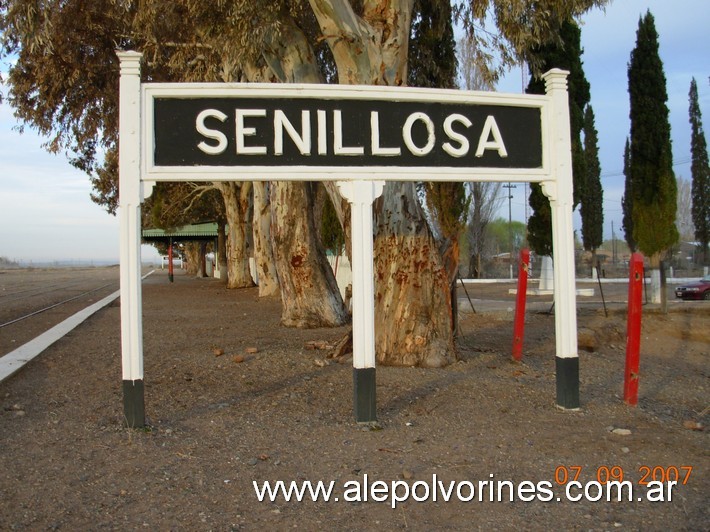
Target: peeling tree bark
{"x":236,"y":203}
{"x":263,"y":252}
{"x":309,"y":294}
{"x":194,"y":261}
{"x":412,"y":296}
{"x":369,"y":50}
{"x":412,"y":292}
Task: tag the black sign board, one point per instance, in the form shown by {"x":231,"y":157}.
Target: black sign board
{"x":190,"y":131}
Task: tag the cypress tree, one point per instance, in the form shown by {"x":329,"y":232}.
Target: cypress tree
{"x":567,"y":54}
{"x":700,"y":172}
{"x":592,"y":196}
{"x":653,"y":186}
{"x":432,"y":48}
{"x":540,"y":221}
{"x":627,"y":222}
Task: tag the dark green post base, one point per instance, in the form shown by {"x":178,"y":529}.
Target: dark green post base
{"x":364,"y":395}
{"x":567,"y":370}
{"x":133,"y":404}
{"x":170,"y":277}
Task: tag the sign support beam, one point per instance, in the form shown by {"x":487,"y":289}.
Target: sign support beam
{"x":361,"y":195}
{"x":129,"y":207}
{"x":559,"y":193}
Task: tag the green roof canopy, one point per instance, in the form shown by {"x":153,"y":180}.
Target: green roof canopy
{"x":202,"y":231}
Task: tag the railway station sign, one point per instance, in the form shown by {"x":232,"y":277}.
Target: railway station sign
{"x":361,"y":137}
{"x":333,"y":131}
{"x":309,"y":132}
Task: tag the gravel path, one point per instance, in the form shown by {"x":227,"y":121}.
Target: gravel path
{"x":219,"y":422}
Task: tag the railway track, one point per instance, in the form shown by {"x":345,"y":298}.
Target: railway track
{"x":11,"y":296}
{"x":32,"y":302}
{"x":50,"y":307}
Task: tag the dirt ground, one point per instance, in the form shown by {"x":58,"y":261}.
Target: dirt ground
{"x":218,"y":422}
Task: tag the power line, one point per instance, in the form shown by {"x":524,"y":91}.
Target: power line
{"x":618,"y":173}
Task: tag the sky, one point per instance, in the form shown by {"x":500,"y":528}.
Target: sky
{"x":46,"y":213}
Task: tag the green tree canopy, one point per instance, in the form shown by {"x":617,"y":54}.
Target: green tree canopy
{"x":653,"y":186}
{"x":65,"y":77}
{"x":566,"y":54}
{"x":592,"y":197}
{"x":627,"y":222}
{"x":501,"y":231}
{"x":700,"y":172}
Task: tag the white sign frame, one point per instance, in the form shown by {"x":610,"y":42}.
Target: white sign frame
{"x":360,"y":186}
{"x":152,"y":172}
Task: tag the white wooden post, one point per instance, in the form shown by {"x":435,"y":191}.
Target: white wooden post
{"x":559,"y":192}
{"x":361,"y":194}
{"x":129,"y":210}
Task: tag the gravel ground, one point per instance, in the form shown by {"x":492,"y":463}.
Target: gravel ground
{"x":222,"y":416}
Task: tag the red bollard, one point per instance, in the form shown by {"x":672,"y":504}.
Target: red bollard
{"x":519,"y":323}
{"x":633,"y":330}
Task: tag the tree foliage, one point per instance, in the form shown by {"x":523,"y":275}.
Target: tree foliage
{"x":592,"y":197}
{"x":700,"y":172}
{"x":540,"y":221}
{"x":433,"y":64}
{"x":331,"y":232}
{"x":567,"y":55}
{"x":521,"y":27}
{"x":174,"y":204}
{"x":470,"y":74}
{"x":432,"y":48}
{"x":627,"y":222}
{"x":65,"y":78}
{"x":501,"y":233}
{"x":653,"y":186}
{"x":65,"y":81}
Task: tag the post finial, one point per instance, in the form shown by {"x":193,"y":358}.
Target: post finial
{"x":555,"y":79}
{"x":130,"y":62}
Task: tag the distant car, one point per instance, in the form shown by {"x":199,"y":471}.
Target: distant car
{"x":697,"y":290}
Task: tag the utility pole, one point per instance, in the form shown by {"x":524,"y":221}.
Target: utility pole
{"x":510,"y":188}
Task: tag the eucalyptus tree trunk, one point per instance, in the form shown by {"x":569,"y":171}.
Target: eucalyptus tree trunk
{"x":309,"y":293}
{"x":236,"y":205}
{"x":412,"y":296}
{"x":263,"y":251}
{"x":194,"y":261}
{"x":221,"y":251}
{"x":202,"y":257}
